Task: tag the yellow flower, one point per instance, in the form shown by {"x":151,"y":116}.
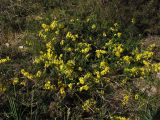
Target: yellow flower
{"x":105,"y":71}
{"x":142,"y":71}
{"x":136,"y":97}
{"x":98,"y":74}
{"x":127,"y":59}
{"x":45,"y":27}
{"x":48,"y":86}
{"x":26,"y":74}
{"x":38,"y":74}
{"x":125,"y":100}
{"x":146,"y":63}
{"x":100,"y":52}
{"x":119,"y":118}
{"x":105,"y":68}
{"x":71,"y":63}
{"x":69,"y":49}
{"x":81,"y":80}
{"x":49,"y":45}
{"x":156,"y":67}
{"x":53,"y":25}
{"x":15,"y":81}
{"x":4,"y":60}
{"x":61,"y":26}
{"x":118,"y":49}
{"x":102,"y":64}
{"x":134,"y":71}
{"x":68,"y":72}
{"x":62,"y":91}
{"x":69,"y":35}
{"x":117,"y":53}
{"x":119,"y":34}
{"x":88,"y":75}
{"x":148,"y":54}
{"x":62,"y":42}
{"x":138,"y":57}
{"x":23,"y":83}
{"x":85,"y":87}
{"x":86,"y":50}
{"x":70,"y":85}
{"x":151,"y":47}
{"x":96,"y":80}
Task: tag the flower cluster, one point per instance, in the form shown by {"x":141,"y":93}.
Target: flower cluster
{"x":71,"y":36}
{"x":27,"y":75}
{"x":48,"y":86}
{"x":88,"y":61}
{"x":4,"y":60}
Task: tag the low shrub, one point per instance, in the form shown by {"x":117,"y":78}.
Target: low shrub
{"x":82,"y":68}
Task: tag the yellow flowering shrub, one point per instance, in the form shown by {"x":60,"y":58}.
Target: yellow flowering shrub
{"x":85,"y":62}
{"x":78,"y":61}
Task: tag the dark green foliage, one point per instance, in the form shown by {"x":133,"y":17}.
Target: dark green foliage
{"x":14,"y":14}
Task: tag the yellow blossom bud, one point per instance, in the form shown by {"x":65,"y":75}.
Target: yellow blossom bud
{"x":15,"y":81}
{"x":81,"y":80}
